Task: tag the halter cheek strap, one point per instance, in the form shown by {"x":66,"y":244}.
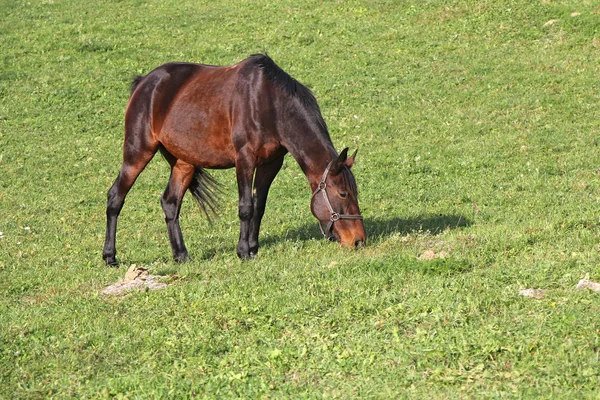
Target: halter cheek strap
{"x":334,"y":215}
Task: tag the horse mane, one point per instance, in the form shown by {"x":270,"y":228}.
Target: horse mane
{"x":290,"y":86}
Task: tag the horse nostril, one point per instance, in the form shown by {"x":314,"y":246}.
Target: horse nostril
{"x":358,"y":243}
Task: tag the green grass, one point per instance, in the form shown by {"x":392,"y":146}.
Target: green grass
{"x":478,"y":134}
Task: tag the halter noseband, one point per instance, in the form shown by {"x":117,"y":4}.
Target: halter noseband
{"x":334,"y":216}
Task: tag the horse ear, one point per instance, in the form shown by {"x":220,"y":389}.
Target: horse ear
{"x":340,"y":162}
{"x":350,"y":160}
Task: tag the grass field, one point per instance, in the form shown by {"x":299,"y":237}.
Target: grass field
{"x":477,"y":124}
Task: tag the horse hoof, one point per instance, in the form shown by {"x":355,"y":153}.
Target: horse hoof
{"x":111,"y":262}
{"x":245,"y":256}
{"x":182,"y":258}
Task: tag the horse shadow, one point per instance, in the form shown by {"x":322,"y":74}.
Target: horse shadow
{"x":433,"y":224}
{"x":377,"y":229}
{"x":381,"y":228}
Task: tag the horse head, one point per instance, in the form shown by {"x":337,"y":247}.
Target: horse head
{"x":335,"y":203}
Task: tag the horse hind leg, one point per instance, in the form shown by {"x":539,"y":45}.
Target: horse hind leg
{"x":136,"y":155}
{"x":181,"y":177}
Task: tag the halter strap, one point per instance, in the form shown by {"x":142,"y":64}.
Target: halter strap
{"x":334,"y":215}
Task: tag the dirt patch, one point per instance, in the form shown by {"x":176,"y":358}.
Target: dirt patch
{"x":429,"y":255}
{"x":136,"y":278}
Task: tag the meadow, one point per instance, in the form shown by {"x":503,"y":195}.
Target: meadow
{"x":477,"y":124}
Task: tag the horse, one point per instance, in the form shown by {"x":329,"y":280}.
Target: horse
{"x":249,"y":116}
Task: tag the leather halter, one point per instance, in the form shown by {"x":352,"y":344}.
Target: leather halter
{"x":334,"y":215}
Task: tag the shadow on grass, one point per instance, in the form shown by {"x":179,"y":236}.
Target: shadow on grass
{"x":380,"y":228}
{"x":434,"y":224}
{"x":377,"y":229}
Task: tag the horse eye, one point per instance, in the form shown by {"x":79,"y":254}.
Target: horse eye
{"x":343,"y":195}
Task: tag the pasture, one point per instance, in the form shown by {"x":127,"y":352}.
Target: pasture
{"x":477,"y":124}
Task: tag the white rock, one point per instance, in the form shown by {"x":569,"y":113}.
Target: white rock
{"x":585,"y":284}
{"x":534,"y":293}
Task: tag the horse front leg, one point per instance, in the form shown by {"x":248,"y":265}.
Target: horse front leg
{"x":244,"y":169}
{"x":265,"y":174}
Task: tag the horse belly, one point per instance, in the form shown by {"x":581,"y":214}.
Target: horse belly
{"x":204,"y":143}
{"x":196,"y":126}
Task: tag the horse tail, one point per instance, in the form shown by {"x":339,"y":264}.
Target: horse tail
{"x":207,"y":192}
{"x":135,"y":82}
{"x":205,"y":189}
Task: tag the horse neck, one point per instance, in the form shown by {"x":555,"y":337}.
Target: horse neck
{"x":313,"y":151}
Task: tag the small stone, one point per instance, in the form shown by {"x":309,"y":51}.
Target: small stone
{"x":429,"y":255}
{"x":533,"y":293}
{"x":552,"y":21}
{"x":586,"y":284}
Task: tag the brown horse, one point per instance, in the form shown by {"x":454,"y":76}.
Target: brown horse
{"x":246,"y":116}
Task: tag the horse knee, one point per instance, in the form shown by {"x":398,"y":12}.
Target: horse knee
{"x":245,"y":212}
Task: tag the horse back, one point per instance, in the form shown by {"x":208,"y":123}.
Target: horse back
{"x":204,"y":114}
